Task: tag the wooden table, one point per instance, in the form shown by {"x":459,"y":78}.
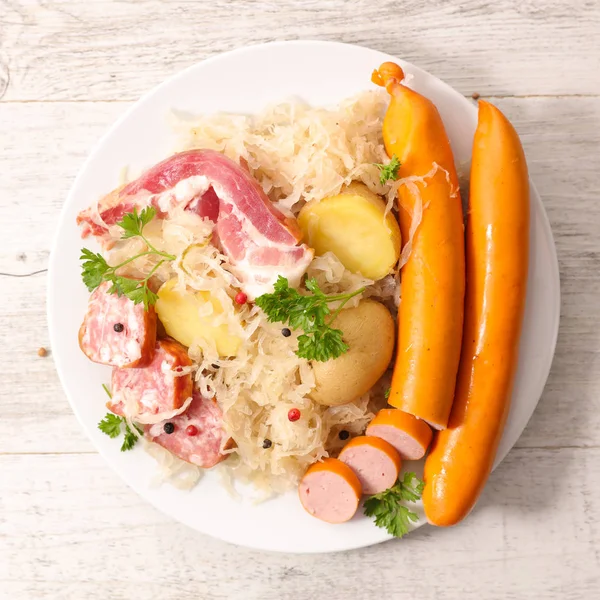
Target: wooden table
{"x":69,"y":528}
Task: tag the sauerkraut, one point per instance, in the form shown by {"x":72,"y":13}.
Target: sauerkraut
{"x":297,"y":154}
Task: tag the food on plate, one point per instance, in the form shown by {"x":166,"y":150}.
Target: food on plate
{"x":369,"y":332}
{"x":261,"y":242}
{"x":356,"y":227}
{"x":330,"y":491}
{"x":497,"y":248}
{"x":156,"y":392}
{"x":246,"y":295}
{"x":375,"y":462}
{"x":409,"y":435}
{"x":115,"y":331}
{"x":430,"y":316}
{"x":189,"y":315}
{"x":196,"y":436}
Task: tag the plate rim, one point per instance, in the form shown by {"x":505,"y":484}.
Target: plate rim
{"x":53,"y":269}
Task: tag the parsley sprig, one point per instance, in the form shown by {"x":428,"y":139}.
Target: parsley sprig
{"x":95,"y":269}
{"x":287,"y":305}
{"x":389,"y":171}
{"x":387,"y":509}
{"x":113,"y":426}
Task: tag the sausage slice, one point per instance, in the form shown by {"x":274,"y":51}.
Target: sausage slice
{"x":156,"y":392}
{"x":117,"y":332}
{"x":409,"y":435}
{"x":330,"y":491}
{"x":197,"y":434}
{"x":375,"y":462}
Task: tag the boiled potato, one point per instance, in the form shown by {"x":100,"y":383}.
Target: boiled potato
{"x":369,"y":331}
{"x":179,"y":312}
{"x":353,"y":227}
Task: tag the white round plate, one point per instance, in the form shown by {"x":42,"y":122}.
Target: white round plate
{"x":246,"y":80}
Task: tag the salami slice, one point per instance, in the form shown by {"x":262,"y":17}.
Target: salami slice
{"x":155,"y":392}
{"x":117,"y":332}
{"x":196,"y":435}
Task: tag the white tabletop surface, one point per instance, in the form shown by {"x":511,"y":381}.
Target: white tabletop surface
{"x":69,"y":528}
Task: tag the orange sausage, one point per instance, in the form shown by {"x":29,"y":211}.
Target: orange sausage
{"x":430,"y":318}
{"x":375,"y":462}
{"x":330,"y":491}
{"x":497,"y":239}
{"x":410,"y":436}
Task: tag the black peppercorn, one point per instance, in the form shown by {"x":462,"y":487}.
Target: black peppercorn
{"x":169,"y":428}
{"x":285,"y":332}
{"x":215,"y":366}
{"x":343,"y":434}
{"x":267,"y":444}
{"x":119,"y":327}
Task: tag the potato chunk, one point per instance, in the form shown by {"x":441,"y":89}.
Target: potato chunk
{"x":183,"y":317}
{"x":354,"y":227}
{"x":370,"y":333}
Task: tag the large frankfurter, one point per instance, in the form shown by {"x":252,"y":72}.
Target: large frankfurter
{"x":497,"y":243}
{"x":433,"y":279}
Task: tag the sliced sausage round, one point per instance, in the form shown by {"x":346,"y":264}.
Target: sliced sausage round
{"x":410,"y":435}
{"x":330,"y":491}
{"x":155,"y":392}
{"x":117,"y":332}
{"x":196,"y":435}
{"x":375,"y":462}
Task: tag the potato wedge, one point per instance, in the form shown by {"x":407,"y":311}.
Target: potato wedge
{"x":352,"y":225}
{"x":181,"y":315}
{"x":370,"y":333}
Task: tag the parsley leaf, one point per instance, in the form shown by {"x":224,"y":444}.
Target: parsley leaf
{"x":307,"y":313}
{"x":387,"y":509}
{"x":133,"y":223}
{"x":387,"y":393}
{"x":112,"y":426}
{"x":388,"y":171}
{"x":95,"y":270}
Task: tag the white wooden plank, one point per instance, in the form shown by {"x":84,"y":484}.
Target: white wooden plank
{"x":70,"y":529}
{"x":103,"y":49}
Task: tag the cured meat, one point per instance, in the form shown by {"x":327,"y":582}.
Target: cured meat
{"x":260,"y":241}
{"x":409,"y":435}
{"x":117,"y":332}
{"x":375,"y":462}
{"x":156,"y":392}
{"x":197,"y":434}
{"x":330,"y":491}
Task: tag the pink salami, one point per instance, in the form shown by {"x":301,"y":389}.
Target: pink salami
{"x":117,"y":332}
{"x":196,"y":435}
{"x":157,"y":391}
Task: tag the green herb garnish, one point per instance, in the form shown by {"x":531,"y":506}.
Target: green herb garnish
{"x":113,"y":426}
{"x":95,"y":270}
{"x":389,"y":171}
{"x":387,"y":509}
{"x":308,"y":313}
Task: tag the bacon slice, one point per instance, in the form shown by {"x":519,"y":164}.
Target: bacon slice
{"x":260,"y":241}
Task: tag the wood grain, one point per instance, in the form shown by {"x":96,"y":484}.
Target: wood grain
{"x":74,"y":50}
{"x":69,"y":528}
